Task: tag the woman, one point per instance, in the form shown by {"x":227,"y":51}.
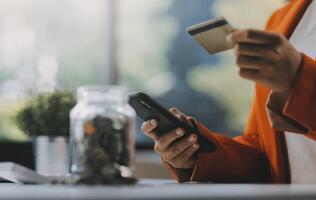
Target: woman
{"x":279,"y":141}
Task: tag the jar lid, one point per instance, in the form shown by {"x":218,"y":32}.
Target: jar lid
{"x":102,"y":93}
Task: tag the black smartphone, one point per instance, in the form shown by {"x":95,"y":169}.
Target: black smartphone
{"x":146,"y":108}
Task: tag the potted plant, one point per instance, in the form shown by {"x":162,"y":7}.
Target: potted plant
{"x":45,"y":117}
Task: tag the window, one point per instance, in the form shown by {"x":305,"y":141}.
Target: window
{"x":46,"y":44}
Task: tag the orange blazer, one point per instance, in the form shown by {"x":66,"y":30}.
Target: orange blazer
{"x":260,"y":154}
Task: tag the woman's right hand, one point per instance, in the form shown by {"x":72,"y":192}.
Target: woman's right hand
{"x":175,"y":149}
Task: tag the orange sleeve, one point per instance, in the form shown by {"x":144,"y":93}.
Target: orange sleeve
{"x":301,"y":105}
{"x":235,"y":160}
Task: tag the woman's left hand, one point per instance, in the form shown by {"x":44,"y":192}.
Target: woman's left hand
{"x":266,"y":57}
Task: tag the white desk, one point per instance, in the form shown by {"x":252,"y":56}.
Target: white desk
{"x":159,"y":189}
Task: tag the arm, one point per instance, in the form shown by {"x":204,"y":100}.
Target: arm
{"x":295,"y":110}
{"x":301,"y":104}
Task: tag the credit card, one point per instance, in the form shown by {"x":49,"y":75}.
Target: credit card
{"x":212,"y":34}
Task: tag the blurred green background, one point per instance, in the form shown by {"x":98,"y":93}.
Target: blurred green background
{"x":47,"y":45}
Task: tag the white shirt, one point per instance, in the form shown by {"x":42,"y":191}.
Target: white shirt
{"x":302,"y":150}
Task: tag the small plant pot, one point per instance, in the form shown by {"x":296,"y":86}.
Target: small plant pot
{"x":51,"y":155}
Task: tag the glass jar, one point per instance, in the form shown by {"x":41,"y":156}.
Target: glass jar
{"x":102,"y":144}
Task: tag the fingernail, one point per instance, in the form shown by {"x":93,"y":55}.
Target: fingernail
{"x":153,"y":122}
{"x":229,"y":38}
{"x":196,"y":146}
{"x":175,"y":112}
{"x":192,"y":138}
{"x":177,"y":115}
{"x":179,"y":132}
{"x":173,"y":109}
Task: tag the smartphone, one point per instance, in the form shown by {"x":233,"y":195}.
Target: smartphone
{"x":211,"y":34}
{"x":147,"y":109}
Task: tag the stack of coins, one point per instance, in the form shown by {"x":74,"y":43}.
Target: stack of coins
{"x":105,"y":151}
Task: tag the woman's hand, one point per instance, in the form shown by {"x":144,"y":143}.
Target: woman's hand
{"x":172,"y":146}
{"x":266,"y":57}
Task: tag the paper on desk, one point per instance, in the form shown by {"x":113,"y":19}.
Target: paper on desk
{"x":18,"y":174}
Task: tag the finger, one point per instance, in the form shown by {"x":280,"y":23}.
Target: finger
{"x":187,"y":153}
{"x":250,"y":74}
{"x":153,"y":135}
{"x":176,"y":112}
{"x":253,"y":36}
{"x":177,"y":148}
{"x":252,"y":62}
{"x":148,"y":127}
{"x":191,"y":120}
{"x":249,"y":49}
{"x":180,"y":115}
{"x":167,"y":138}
